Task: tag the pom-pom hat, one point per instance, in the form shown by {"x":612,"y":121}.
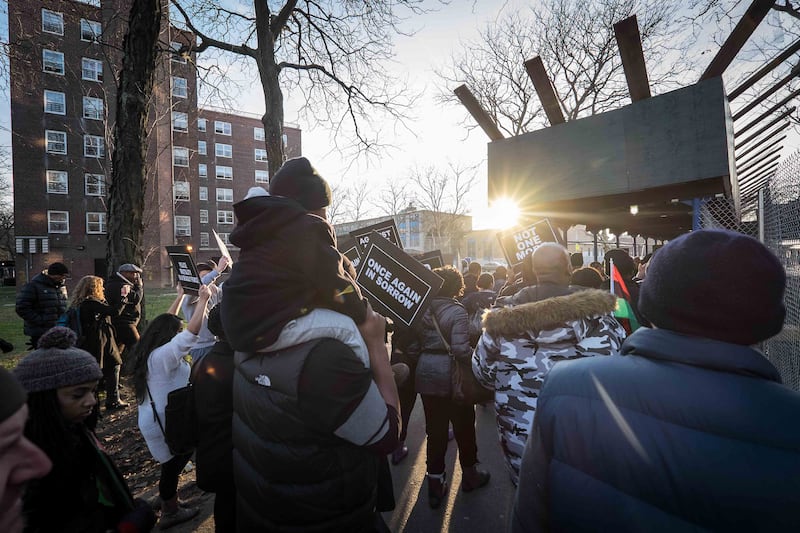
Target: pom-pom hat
{"x":716,"y":284}
{"x":298,"y":180}
{"x":57,"y":363}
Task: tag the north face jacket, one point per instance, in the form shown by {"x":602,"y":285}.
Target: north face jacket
{"x":520,"y":345}
{"x":40,"y":303}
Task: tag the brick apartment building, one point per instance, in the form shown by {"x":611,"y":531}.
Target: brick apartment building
{"x":65,"y":59}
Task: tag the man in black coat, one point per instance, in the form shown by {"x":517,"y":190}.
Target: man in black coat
{"x":127,"y":322}
{"x":42,"y":301}
{"x":690,"y":428}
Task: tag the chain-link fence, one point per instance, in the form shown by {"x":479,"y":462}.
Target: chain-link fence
{"x":781,"y":233}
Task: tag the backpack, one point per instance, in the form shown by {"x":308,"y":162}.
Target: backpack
{"x":71,"y":319}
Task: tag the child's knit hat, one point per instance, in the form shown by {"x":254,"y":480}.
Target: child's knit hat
{"x":57,"y":363}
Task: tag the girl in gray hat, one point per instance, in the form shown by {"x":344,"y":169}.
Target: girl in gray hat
{"x":84,"y":491}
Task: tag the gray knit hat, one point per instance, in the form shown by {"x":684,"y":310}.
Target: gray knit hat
{"x":57,"y":363}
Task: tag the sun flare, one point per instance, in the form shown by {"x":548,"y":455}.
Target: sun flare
{"x":502,"y":214}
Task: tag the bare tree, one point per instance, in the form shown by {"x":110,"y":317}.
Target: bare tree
{"x":329,"y":52}
{"x":337,"y":211}
{"x":443,"y":191}
{"x":7,"y":248}
{"x":357,"y":200}
{"x":576,"y":43}
{"x":393,"y":198}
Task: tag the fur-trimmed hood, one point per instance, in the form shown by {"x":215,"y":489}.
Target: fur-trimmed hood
{"x":551,"y":312}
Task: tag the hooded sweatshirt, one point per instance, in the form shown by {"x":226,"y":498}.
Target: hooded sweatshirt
{"x":287,"y":266}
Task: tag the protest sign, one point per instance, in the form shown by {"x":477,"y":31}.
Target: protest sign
{"x":349,"y":249}
{"x":386,"y":229}
{"x":520,"y":242}
{"x":223,"y":248}
{"x":397,"y":285}
{"x":433,"y":259}
{"x":185,"y":270}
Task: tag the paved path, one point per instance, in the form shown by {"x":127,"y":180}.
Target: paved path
{"x":484,"y":510}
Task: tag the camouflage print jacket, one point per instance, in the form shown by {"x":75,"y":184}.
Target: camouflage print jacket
{"x":520,"y":344}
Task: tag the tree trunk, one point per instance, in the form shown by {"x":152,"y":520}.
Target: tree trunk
{"x":273,"y":96}
{"x":129,"y":167}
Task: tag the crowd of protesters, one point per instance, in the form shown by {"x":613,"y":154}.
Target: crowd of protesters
{"x":629,"y":395}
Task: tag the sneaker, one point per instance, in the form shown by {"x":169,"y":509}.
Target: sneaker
{"x":174,"y":518}
{"x":399,"y":453}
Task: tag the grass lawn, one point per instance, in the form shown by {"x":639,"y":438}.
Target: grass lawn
{"x":157,"y":301}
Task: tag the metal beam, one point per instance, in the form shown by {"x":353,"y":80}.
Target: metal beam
{"x":750,"y":176}
{"x":761,"y":167}
{"x":763,"y":129}
{"x":747,"y":191}
{"x":757,"y":176}
{"x":764,"y":139}
{"x":769,"y":92}
{"x":763,"y":71}
{"x":629,"y":42}
{"x":480,"y":115}
{"x":544,"y":88}
{"x":753,"y":158}
{"x":757,"y":161}
{"x":746,"y":26}
{"x":764,"y":115}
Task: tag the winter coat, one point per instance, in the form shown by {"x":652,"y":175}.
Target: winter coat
{"x":212,"y":378}
{"x":678,"y":433}
{"x":288,"y":265}
{"x":67,"y":498}
{"x":97,"y":333}
{"x":131,"y":304}
{"x":291,"y":473}
{"x":520,"y":344}
{"x":452,"y":319}
{"x":40,"y":303}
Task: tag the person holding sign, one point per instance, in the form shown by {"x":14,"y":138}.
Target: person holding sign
{"x":445,"y":334}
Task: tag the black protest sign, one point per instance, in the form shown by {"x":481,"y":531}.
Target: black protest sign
{"x":349,"y":249}
{"x":185,"y":270}
{"x":386,"y":229}
{"x":397,"y":285}
{"x":520,"y":242}
{"x":433,"y":259}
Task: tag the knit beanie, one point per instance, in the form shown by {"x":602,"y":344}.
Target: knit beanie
{"x":57,"y":363}
{"x":12,"y":395}
{"x":715,"y":284}
{"x":298,"y":180}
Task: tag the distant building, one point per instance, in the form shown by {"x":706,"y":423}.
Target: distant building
{"x":65,"y":58}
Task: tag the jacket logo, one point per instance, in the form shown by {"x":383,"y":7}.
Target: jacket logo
{"x":263,"y":380}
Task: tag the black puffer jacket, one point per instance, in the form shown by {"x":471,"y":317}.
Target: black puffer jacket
{"x":40,"y":302}
{"x":453,"y":322}
{"x":287,"y":266}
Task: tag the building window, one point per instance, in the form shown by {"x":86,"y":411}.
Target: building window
{"x":58,"y":222}
{"x":262,"y":176}
{"x":224,"y":195}
{"x":53,"y":62}
{"x":202,"y":148}
{"x":202,"y":170}
{"x":203,"y":239}
{"x":180,"y":156}
{"x":95,"y":184}
{"x":179,"y":87}
{"x":52,"y":22}
{"x":223,"y":150}
{"x":181,"y":191}
{"x":180,"y":121}
{"x":258,"y":134}
{"x":261,"y":155}
{"x":91,"y":30}
{"x":203,"y":192}
{"x":224,"y":237}
{"x":95,"y":223}
{"x":95,"y":3}
{"x":201,"y":124}
{"x":56,"y":142}
{"x":57,"y":182}
{"x":183,"y":226}
{"x":94,"y":146}
{"x":93,"y":108}
{"x":176,"y":56}
{"x":222,"y":128}
{"x":91,"y":69}
{"x":224,"y":173}
{"x":224,"y":217}
{"x":204,"y":216}
{"x":55,"y":103}
{"x":285,"y":139}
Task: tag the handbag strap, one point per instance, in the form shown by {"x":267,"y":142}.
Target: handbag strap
{"x":439,"y":331}
{"x":153,"y":406}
